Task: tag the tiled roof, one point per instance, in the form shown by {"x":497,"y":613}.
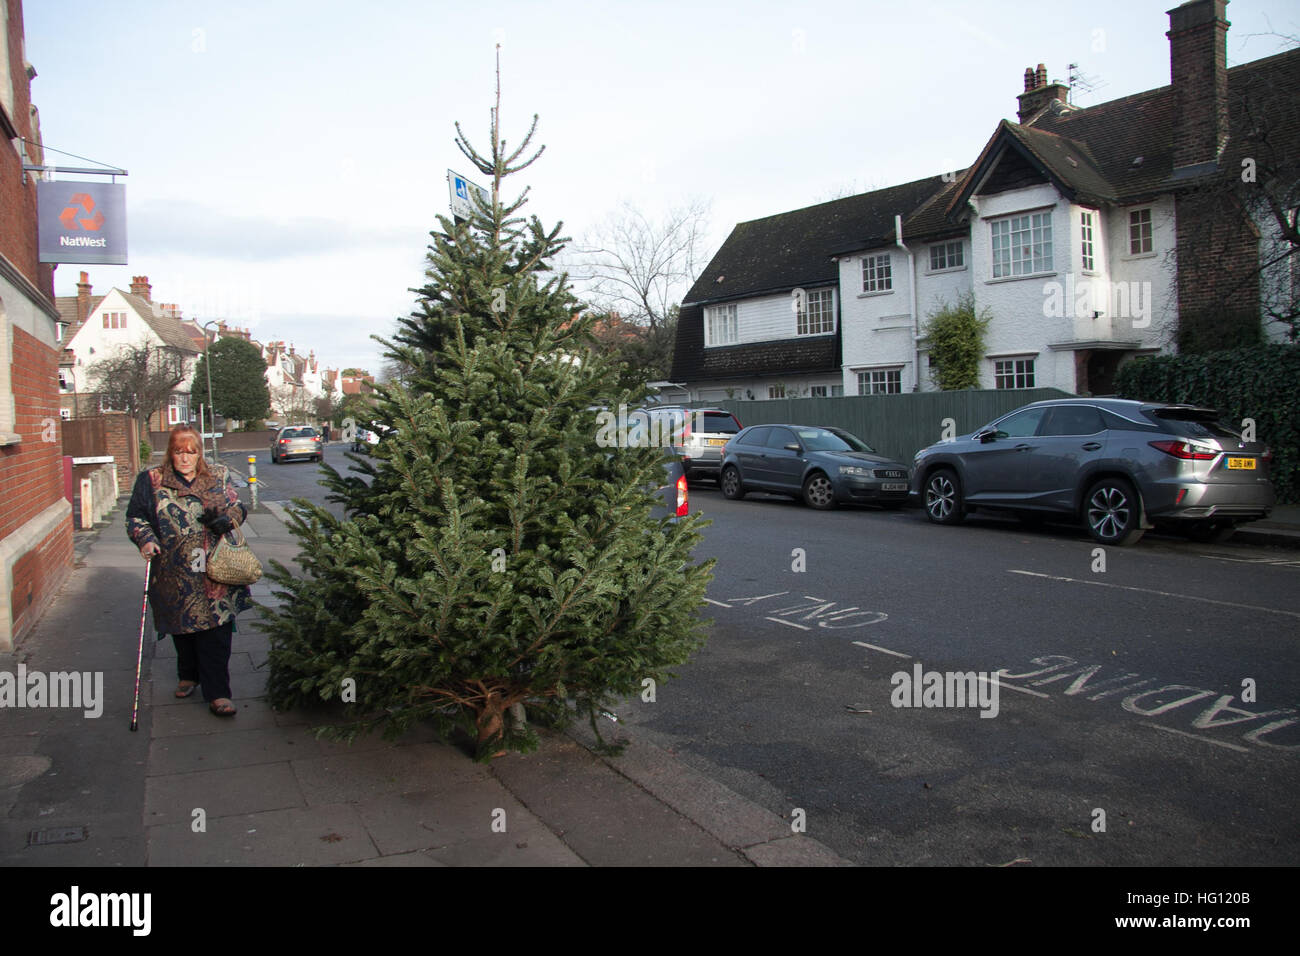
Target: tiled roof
{"x":67,"y":306}
{"x":168,"y":327}
{"x":692,"y":362}
{"x":794,"y":249}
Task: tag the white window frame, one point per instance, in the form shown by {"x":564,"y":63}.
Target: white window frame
{"x":1019,"y":371}
{"x":776,"y":391}
{"x":818,"y":315}
{"x":880,"y":381}
{"x":721,"y":318}
{"x":1087,"y":243}
{"x":877,"y":274}
{"x":1021,"y":245}
{"x":1143,"y":220}
{"x":945,"y":251}
{"x":178,"y":409}
{"x":819,"y":391}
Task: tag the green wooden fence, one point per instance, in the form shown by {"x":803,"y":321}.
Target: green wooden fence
{"x":895,"y":425}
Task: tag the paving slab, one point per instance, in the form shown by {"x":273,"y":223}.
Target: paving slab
{"x":301,"y":836}
{"x":184,"y":753}
{"x":172,"y":798}
{"x":605,"y":818}
{"x":355,"y":776}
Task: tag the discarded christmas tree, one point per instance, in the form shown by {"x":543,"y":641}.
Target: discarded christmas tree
{"x":496,"y":553}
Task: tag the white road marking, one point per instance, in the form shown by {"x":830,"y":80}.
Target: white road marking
{"x":1183,"y":733}
{"x":1023,"y":690}
{"x":883,"y":650}
{"x":718,"y":603}
{"x":781,"y":620}
{"x":1181,"y":597}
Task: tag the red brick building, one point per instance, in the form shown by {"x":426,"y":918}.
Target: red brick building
{"x":35,"y":518}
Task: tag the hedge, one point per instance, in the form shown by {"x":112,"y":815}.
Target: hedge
{"x":1261,"y":382}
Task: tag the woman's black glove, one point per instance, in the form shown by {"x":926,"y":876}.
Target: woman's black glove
{"x":216,"y":522}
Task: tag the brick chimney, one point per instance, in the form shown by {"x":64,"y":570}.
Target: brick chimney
{"x":140,"y":286}
{"x":1038,"y":92}
{"x":83,"y":297}
{"x":1198,"y":70}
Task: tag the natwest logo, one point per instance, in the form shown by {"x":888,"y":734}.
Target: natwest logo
{"x":69,"y":215}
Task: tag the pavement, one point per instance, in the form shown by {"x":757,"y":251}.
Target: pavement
{"x":192,"y":789}
{"x":260,"y":789}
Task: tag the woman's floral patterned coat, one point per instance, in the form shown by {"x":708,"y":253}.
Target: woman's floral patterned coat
{"x":164,"y":510}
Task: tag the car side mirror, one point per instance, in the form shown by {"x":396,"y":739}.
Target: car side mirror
{"x":986,"y":435}
{"x":794,"y":447}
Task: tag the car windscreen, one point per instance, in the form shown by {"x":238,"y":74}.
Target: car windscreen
{"x":298,"y":433}
{"x":822,"y":439}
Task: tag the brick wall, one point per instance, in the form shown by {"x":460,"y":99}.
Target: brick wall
{"x":30,"y":470}
{"x":1218,"y":270}
{"x":18,"y":198}
{"x":31,"y":473}
{"x":38,"y":575}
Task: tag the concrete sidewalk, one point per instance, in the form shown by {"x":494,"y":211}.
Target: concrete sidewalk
{"x":259,"y":789}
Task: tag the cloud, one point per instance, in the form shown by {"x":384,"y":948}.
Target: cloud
{"x":189,"y":228}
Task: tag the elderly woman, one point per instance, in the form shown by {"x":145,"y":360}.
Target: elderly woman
{"x":178,"y":512}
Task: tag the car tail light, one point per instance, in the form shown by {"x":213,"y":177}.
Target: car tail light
{"x":683,"y":505}
{"x":284,"y":441}
{"x":686,"y":429}
{"x":1184,"y":450}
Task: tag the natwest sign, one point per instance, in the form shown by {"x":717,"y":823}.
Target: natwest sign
{"x":82,"y":222}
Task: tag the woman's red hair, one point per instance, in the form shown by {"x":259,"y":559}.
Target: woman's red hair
{"x":181,"y":436}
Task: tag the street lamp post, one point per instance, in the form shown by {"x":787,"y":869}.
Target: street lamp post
{"x":207,"y":367}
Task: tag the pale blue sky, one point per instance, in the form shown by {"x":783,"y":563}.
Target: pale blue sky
{"x":287,"y":158}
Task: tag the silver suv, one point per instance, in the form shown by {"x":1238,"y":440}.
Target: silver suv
{"x":1119,"y":466}
{"x":698,"y":435}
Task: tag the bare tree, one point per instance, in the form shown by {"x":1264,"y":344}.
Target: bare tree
{"x":293,"y":403}
{"x":138,"y":379}
{"x":640,"y":267}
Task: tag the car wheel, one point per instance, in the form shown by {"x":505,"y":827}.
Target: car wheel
{"x":731,"y":484}
{"x":943,"y":504}
{"x":1113,"y":512}
{"x":1211,"y":532}
{"x":818,"y":492}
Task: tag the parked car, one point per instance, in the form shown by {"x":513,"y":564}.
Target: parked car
{"x":697,"y":435}
{"x":824,"y":466}
{"x":1118,"y":466}
{"x":296,"y":441}
{"x":674,"y":498}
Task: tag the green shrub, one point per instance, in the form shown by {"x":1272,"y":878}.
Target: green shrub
{"x":955,"y":334}
{"x":146,"y":452}
{"x":1259,"y":383}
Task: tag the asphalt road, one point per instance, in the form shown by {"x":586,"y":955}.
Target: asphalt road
{"x":1149,"y":713}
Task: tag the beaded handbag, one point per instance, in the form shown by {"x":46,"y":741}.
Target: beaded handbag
{"x":232,"y":561}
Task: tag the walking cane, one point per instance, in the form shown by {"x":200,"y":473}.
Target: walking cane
{"x":139,"y":657}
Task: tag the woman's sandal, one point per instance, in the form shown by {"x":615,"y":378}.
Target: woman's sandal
{"x":222,"y":708}
{"x":185,"y":688}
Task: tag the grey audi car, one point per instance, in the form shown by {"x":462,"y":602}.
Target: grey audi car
{"x":1120,"y":467}
{"x":824,"y":466}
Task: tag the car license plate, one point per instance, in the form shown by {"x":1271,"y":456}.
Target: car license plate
{"x":715,"y":441}
{"x":894,"y":486}
{"x":1246,"y":464}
